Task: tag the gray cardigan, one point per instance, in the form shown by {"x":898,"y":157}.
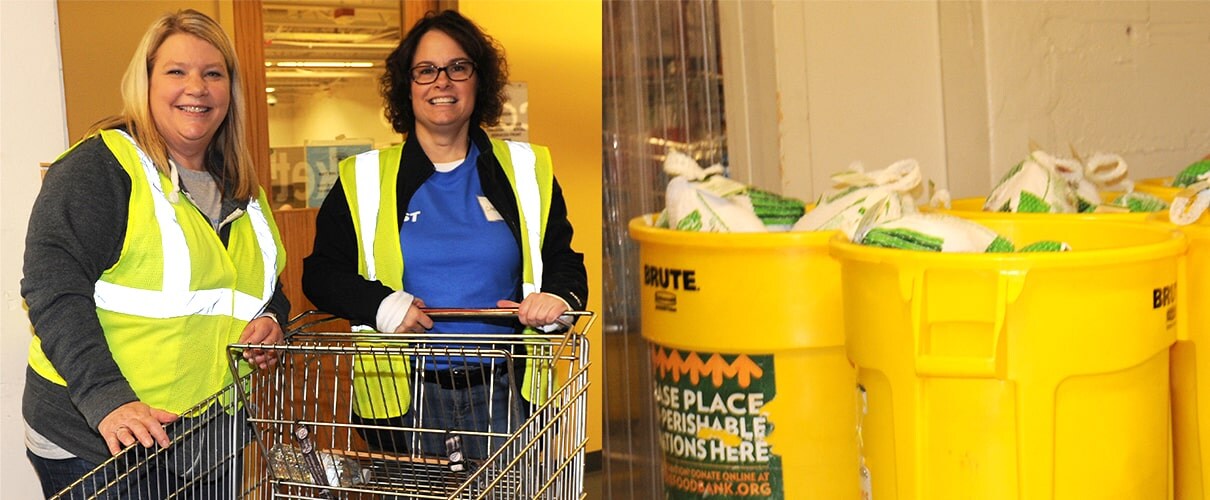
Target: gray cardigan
{"x":75,"y":233}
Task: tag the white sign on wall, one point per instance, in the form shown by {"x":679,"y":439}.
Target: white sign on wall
{"x":288,"y":167}
{"x":323,"y":159}
{"x":514,"y":121}
{"x":303,"y":175}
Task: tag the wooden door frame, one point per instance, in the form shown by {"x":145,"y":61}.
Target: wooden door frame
{"x":297,"y":226}
{"x":250,"y":48}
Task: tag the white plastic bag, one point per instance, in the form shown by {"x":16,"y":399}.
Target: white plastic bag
{"x":1035,"y":186}
{"x":704,"y":200}
{"x":935,"y":233}
{"x":946,"y":233}
{"x":692,"y":206}
{"x":875,"y":196}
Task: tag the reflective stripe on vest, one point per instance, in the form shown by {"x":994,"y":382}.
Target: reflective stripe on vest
{"x":169,"y":341}
{"x":368,"y":201}
{"x":175,"y":299}
{"x":530,"y":200}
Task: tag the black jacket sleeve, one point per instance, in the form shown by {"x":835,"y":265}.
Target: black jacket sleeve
{"x":330,"y":279}
{"x":563,"y":271}
{"x":75,"y":233}
{"x":279,"y":305}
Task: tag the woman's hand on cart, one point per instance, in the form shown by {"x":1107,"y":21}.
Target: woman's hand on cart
{"x":537,"y":309}
{"x":415,"y":320}
{"x":262,"y":330}
{"x":135,"y":421}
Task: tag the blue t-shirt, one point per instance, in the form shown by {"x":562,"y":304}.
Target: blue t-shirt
{"x":457,"y":250}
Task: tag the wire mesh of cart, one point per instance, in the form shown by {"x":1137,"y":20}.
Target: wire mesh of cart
{"x":423,"y":416}
{"x":211,"y":455}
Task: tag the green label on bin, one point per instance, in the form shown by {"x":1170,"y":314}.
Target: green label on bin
{"x":713,"y":424}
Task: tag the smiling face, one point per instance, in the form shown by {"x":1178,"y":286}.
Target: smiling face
{"x":444,"y":106}
{"x":189,"y":93}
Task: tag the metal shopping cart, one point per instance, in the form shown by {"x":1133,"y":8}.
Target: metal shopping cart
{"x":211,"y":456}
{"x":298,"y":430}
{"x":512,"y":426}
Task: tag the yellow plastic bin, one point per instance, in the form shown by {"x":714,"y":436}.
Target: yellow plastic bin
{"x":1190,"y":407}
{"x":754,"y":394}
{"x":1191,"y":369}
{"x":1016,"y":376}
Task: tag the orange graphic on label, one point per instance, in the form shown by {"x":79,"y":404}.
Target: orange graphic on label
{"x":743,"y":369}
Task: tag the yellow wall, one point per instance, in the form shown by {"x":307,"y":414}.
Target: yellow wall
{"x":97,"y":39}
{"x":555,"y":48}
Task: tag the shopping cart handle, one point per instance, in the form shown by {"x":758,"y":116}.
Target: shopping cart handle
{"x":507,"y":312}
{"x":306,"y":320}
{"x":456,"y":312}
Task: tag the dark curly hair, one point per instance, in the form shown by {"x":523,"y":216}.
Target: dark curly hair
{"x":487,"y":54}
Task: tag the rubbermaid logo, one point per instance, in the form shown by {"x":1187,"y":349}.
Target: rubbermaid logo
{"x":665,"y":301}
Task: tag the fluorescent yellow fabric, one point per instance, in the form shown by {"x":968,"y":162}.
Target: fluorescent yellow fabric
{"x":169,"y":317}
{"x":381,"y":381}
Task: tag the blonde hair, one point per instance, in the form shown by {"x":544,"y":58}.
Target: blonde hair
{"x":228,"y":157}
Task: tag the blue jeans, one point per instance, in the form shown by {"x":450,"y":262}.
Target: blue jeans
{"x":149,"y":481}
{"x":55,"y":475}
{"x":467,"y":410}
{"x":205,"y":460}
{"x":495,"y":407}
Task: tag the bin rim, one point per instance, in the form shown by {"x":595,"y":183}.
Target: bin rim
{"x":641,"y":230}
{"x":1159,"y":186}
{"x":1173,"y":246}
{"x":1201,"y":225}
{"x":1080,"y":216}
{"x":1162,"y":181}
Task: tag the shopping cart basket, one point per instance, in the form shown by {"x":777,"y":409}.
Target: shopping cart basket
{"x":316,"y":442}
{"x":211,"y":455}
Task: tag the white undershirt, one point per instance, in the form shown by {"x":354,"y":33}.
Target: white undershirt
{"x":448,"y":166}
{"x":42,"y":447}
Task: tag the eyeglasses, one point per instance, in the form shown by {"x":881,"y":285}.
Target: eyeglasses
{"x":458,"y":71}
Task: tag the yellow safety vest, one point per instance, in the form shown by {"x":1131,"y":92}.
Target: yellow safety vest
{"x":369,"y":181}
{"x":177,"y":296}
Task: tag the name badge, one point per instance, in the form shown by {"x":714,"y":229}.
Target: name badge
{"x":489,"y":211}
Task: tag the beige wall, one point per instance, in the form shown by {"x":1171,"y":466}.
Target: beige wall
{"x":1125,"y":77}
{"x":963,"y":87}
{"x":32,"y":130}
{"x":826,"y":84}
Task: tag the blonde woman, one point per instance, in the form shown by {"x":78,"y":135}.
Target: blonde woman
{"x":150,"y":248}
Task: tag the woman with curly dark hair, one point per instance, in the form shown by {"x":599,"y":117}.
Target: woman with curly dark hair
{"x":476,"y":222}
